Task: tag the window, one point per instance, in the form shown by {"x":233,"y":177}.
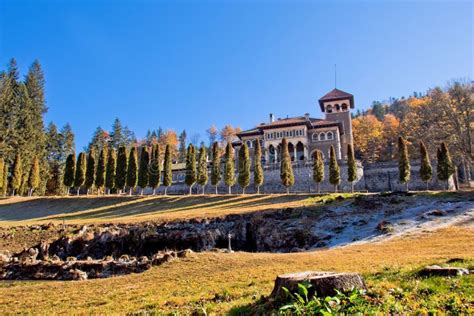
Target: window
{"x":329,"y":108}
{"x":322,"y":136}
{"x":329,"y":136}
{"x":249,"y":144}
{"x":344,"y":107}
{"x":314,"y":137}
{"x":338,"y":107}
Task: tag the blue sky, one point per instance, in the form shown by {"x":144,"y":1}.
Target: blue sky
{"x":190,"y":64}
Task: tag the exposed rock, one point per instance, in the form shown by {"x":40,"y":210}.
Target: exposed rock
{"x":443,"y":271}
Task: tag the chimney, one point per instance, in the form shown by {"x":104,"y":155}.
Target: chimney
{"x":306,"y":116}
{"x":272,"y":118}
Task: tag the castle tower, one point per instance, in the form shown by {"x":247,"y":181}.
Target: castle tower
{"x":336,"y":105}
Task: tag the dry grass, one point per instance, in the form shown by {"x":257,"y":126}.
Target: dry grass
{"x":220,"y":282}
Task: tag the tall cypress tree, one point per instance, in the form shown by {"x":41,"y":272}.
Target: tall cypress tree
{"x":121,"y":169}
{"x":351,"y":167}
{"x":5,"y":180}
{"x":167,"y":169}
{"x":216,"y":166}
{"x":286,"y":169}
{"x":80,"y":176}
{"x":334,"y":170}
{"x":258,"y":176}
{"x":101,"y":170}
{"x":445,"y":168}
{"x":426,"y":171}
{"x":154,"y":168}
{"x":229,"y":176}
{"x":143,"y":169}
{"x":244,"y":167}
{"x":111,"y":169}
{"x":132,"y":170}
{"x":90,"y":170}
{"x":190,"y":177}
{"x":403,"y":162}
{"x":318,"y":169}
{"x":34,"y":177}
{"x":2,"y":170}
{"x":69,"y":172}
{"x":17,"y":174}
{"x":202,"y":176}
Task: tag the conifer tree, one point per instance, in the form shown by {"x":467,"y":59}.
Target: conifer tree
{"x":34,"y":177}
{"x":318,"y":169}
{"x":216,"y":166}
{"x":90,"y":170}
{"x":2,"y":170}
{"x":445,"y":168}
{"x":101,"y":170}
{"x":154,"y":168}
{"x":111,"y":169}
{"x":121,"y":169}
{"x":182,"y":146}
{"x":143,"y":169}
{"x":351,"y":167}
{"x":17,"y":174}
{"x":5,"y":179}
{"x":244,"y":167}
{"x":403,"y":162}
{"x":286,"y":169}
{"x":202,"y":176}
{"x":167,"y":169}
{"x":229,"y":176}
{"x":80,"y":176}
{"x":258,"y":176}
{"x":334,"y":170}
{"x":69,"y":172}
{"x":132,"y":170}
{"x":426,"y":171}
{"x":190,"y":177}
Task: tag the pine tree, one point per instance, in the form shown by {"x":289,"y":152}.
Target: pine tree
{"x":143,"y":169}
{"x":216,"y":166}
{"x":34,"y":177}
{"x":69,"y":172}
{"x":445,"y":168}
{"x":132,"y":170}
{"x":17,"y":174}
{"x":403,"y":162}
{"x":67,"y":141}
{"x":182,"y":147}
{"x":121,"y":169}
{"x":117,"y":137}
{"x":111,"y":169}
{"x":229,"y":175}
{"x":318,"y":169}
{"x":244,"y":167}
{"x":190,"y":177}
{"x":202,"y":176}
{"x":334,"y":170}
{"x":167,"y":169}
{"x":101,"y":170}
{"x":351,"y":167}
{"x":80,"y":176}
{"x":258,"y":176}
{"x":90,"y":170}
{"x":154,"y":168}
{"x":5,"y":180}
{"x":426,"y":171}
{"x":286,"y":169}
{"x":99,"y":140}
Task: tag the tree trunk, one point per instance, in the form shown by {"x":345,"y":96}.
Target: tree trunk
{"x":203,"y":189}
{"x":258,"y":190}
{"x":190,"y":190}
{"x":230,"y":190}
{"x":406,"y":186}
{"x":13,"y":192}
{"x":319,"y":188}
{"x":352,"y":187}
{"x":68,"y":191}
{"x":287,"y":190}
{"x":166,"y":190}
{"x":154,"y":191}
{"x":141,"y":191}
{"x":130,"y":191}
{"x":335,"y":188}
{"x":243,"y":191}
{"x":427,"y":186}
{"x":216,"y":189}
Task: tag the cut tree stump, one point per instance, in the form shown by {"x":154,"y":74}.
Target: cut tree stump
{"x":443,"y":271}
{"x":323,"y":283}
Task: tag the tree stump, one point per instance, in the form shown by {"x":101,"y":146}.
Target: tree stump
{"x":323,"y":283}
{"x":442,"y":271}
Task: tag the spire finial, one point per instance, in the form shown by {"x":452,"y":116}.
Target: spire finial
{"x":335,"y":76}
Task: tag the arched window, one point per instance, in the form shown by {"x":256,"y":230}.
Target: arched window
{"x":322,"y":136}
{"x":344,"y":107}
{"x":329,"y":136}
{"x":314,"y":137}
{"x":338,"y":107}
{"x":329,"y":108}
{"x":249,"y":144}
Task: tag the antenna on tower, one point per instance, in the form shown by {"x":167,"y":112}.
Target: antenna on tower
{"x":335,"y":76}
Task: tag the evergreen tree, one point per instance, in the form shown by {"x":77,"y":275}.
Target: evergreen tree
{"x":167,"y":169}
{"x":101,"y":170}
{"x":67,"y":141}
{"x":2,"y":171}
{"x":318,"y":169}
{"x":229,"y":175}
{"x":351,"y":167}
{"x":132,"y":170}
{"x":34,"y":177}
{"x":80,"y":176}
{"x":445,"y":168}
{"x":182,"y":147}
{"x":69,"y":172}
{"x":99,"y":140}
{"x":190,"y":177}
{"x":4,"y":180}
{"x":403,"y":162}
{"x":216,"y":166}
{"x":154,"y":168}
{"x":258,"y":176}
{"x":143,"y":169}
{"x":17,"y":174}
{"x":90,"y":171}
{"x":244,"y":167}
{"x":54,"y":160}
{"x":334,"y":170}
{"x":117,"y":137}
{"x":121,"y":169}
{"x":202,"y":176}
{"x":426,"y":171}
{"x":111,"y":169}
{"x":286,"y":169}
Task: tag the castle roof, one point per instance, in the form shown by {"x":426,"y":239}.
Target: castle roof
{"x":336,"y":95}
